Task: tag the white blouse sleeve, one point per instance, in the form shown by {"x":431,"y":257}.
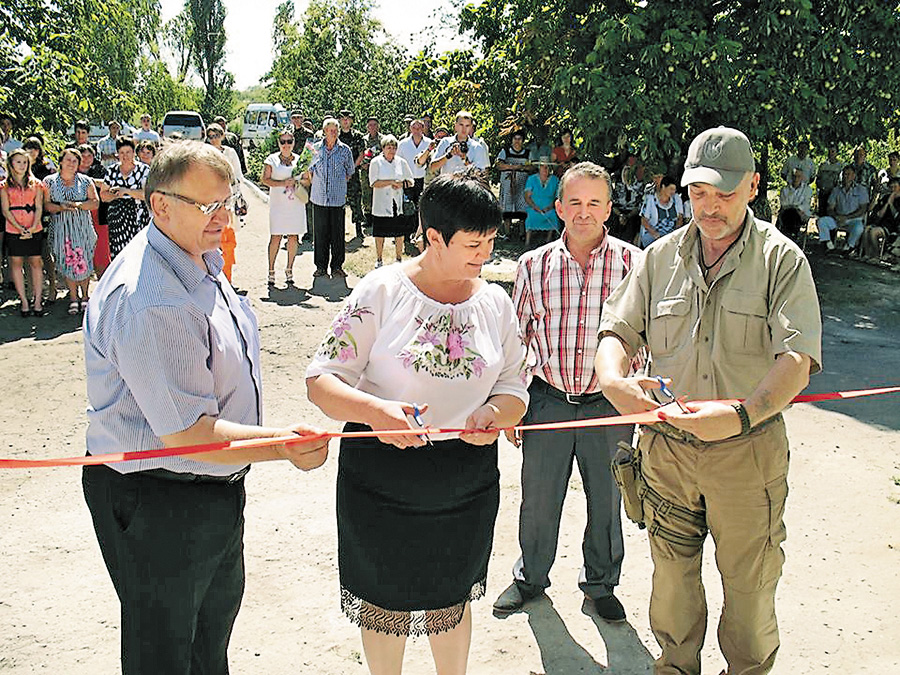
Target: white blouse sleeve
{"x":679,"y":204}
{"x":647,"y":210}
{"x":513,"y":379}
{"x":374,"y":167}
{"x":345,"y":349}
{"x":405,"y":170}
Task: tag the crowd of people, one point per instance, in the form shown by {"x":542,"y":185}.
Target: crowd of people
{"x":71,"y":217}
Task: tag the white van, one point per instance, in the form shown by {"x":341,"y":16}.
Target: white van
{"x":186,"y":122}
{"x":260,"y":120}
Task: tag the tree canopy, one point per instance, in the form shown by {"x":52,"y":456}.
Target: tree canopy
{"x":655,"y":73}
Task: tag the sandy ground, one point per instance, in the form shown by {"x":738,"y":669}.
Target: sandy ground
{"x":837,"y":600}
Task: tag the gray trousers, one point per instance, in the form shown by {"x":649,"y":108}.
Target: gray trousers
{"x":546,"y":467}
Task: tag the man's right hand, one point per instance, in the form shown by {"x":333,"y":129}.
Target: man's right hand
{"x":310,"y":454}
{"x":629,"y":394}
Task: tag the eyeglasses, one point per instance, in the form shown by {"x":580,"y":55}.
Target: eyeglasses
{"x":286,"y":141}
{"x":214,"y":135}
{"x":205,"y":209}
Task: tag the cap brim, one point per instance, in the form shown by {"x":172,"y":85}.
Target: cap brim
{"x":726,"y":181}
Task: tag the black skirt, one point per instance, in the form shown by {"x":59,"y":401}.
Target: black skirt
{"x":415,"y":531}
{"x":18,"y":247}
{"x":391,"y":226}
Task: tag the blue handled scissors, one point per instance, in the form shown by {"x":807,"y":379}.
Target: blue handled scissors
{"x":668,"y":394}
{"x":417,"y":416}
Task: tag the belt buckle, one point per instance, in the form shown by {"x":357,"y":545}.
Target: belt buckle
{"x":570,"y":400}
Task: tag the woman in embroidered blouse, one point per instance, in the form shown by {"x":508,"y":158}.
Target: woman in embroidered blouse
{"x":71,"y":197}
{"x":415,"y":523}
{"x":22,"y":202}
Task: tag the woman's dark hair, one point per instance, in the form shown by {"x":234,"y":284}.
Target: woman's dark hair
{"x":459,"y":202}
{"x":668,"y":179}
{"x":86,"y":148}
{"x":563,"y":133}
{"x":34,"y":143}
{"x":82,"y":125}
{"x":146,"y":145}
{"x":123,"y":141}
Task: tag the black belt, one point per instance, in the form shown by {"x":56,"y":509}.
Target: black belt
{"x":574,"y":399}
{"x":165,"y":474}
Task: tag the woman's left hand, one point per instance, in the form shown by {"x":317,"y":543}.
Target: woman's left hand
{"x":483,"y":418}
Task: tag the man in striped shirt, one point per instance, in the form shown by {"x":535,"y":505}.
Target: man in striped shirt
{"x":172,"y":359}
{"x":559,"y":294}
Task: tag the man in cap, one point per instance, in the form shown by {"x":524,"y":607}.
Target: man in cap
{"x":353,"y":139}
{"x":728,"y":309}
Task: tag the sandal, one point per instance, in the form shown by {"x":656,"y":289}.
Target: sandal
{"x":37,"y":308}
{"x":24,"y":311}
{"x":289,"y":277}
{"x":73,"y":308}
{"x":271,"y":278}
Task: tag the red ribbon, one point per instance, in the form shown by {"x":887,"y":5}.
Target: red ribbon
{"x":649,"y":417}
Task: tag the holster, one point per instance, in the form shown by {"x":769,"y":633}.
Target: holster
{"x":626,"y":471}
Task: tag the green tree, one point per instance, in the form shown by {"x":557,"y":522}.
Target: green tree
{"x":339,"y":56}
{"x":655,"y":73}
{"x":72,"y":58}
{"x":207,"y":38}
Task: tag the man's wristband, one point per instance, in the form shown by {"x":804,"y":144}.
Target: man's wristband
{"x":745,"y":418}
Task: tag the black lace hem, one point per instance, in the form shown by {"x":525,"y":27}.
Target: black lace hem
{"x":407,"y":623}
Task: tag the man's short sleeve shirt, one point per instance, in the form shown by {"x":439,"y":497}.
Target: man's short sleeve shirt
{"x":718,"y":340}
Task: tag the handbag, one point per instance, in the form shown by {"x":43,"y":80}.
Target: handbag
{"x":301,"y":193}
{"x":241,"y":207}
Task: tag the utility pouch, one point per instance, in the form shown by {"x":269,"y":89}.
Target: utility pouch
{"x":626,"y":470}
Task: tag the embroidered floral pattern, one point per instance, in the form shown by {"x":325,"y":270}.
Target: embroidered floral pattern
{"x":75,"y":260}
{"x":440,"y":348}
{"x":340,"y":343}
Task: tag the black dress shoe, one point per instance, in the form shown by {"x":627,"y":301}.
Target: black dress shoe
{"x":609,"y":608}
{"x":511,"y":600}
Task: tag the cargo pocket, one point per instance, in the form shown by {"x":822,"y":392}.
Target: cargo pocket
{"x":669,"y":326}
{"x":743,"y":322}
{"x":776,"y":496}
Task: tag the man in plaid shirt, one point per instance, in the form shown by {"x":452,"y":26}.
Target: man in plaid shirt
{"x":559,"y":294}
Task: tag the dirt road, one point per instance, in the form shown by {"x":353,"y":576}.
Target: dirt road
{"x":837,"y":601}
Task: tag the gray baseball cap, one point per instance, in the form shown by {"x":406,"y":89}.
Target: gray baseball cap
{"x":720,"y":157}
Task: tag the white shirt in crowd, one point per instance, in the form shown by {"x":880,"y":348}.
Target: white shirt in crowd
{"x":232,"y":157}
{"x":807,"y":166}
{"x":477,"y":155}
{"x":407,"y":149}
{"x":800,"y":198}
{"x":148,"y":135}
{"x":388,"y":201}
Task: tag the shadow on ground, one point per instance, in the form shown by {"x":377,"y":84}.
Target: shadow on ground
{"x":860,"y":306}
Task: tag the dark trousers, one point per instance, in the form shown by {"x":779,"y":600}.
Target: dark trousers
{"x":174,"y":552}
{"x":546,"y":467}
{"x":329,"y":237}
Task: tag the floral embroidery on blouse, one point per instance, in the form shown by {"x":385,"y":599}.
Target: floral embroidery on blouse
{"x":440,"y":348}
{"x":340,"y":343}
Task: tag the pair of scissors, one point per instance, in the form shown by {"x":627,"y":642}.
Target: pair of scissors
{"x":417,"y":416}
{"x":668,"y":394}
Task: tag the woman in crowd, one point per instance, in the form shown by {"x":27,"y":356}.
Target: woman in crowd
{"x":884,"y":219}
{"x":415,"y":523}
{"x":94,"y":169}
{"x":146,"y":152}
{"x":510,"y":161}
{"x":41,"y":167}
{"x":540,"y":195}
{"x":215,"y":134}
{"x":124,"y":192}
{"x":287,"y":213}
{"x":22,"y":202}
{"x":564,"y":154}
{"x":71,"y":197}
{"x":662,"y":212}
{"x":388,"y":175}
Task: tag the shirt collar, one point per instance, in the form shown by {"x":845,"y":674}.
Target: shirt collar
{"x":562,"y":243}
{"x":180,"y":262}
{"x":688,"y":246}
